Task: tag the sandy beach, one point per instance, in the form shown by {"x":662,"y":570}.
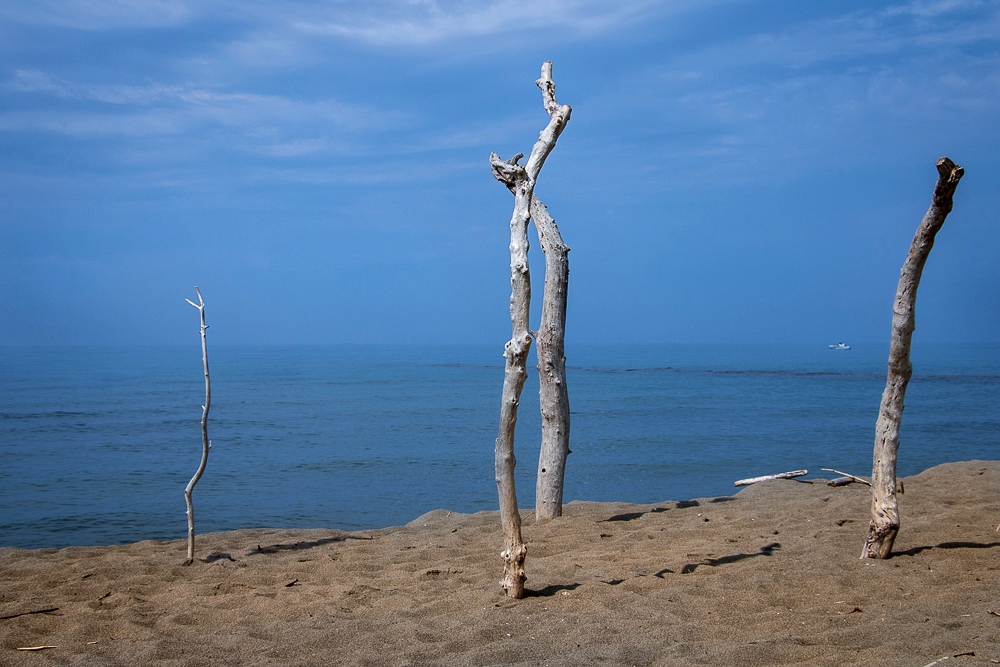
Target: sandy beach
{"x":769,"y":576}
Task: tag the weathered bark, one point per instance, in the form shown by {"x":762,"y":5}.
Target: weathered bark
{"x":553,"y":395}
{"x":884,"y":509}
{"x":206,"y":444}
{"x":522,"y":181}
{"x":515,"y":373}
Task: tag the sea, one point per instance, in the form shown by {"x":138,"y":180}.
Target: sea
{"x":98,"y":443}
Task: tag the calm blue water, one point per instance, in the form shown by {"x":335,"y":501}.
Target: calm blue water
{"x":97,"y":444}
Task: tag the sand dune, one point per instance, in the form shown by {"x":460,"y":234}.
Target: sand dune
{"x":770,"y":576}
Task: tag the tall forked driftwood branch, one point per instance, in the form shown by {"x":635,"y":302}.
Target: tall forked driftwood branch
{"x":516,"y":349}
{"x":206,"y":444}
{"x":550,"y":338}
{"x":885,"y":509}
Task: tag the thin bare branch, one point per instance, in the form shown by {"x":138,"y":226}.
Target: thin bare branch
{"x":206,"y":444}
{"x":558,"y":117}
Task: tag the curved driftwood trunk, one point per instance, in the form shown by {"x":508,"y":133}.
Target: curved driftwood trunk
{"x":885,"y":510}
{"x":206,"y":444}
{"x":552,"y":393}
{"x":522,"y":182}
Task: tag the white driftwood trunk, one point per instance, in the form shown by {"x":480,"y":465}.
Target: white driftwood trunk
{"x":553,"y":395}
{"x":516,"y":349}
{"x":515,"y":373}
{"x":884,"y":509}
{"x":206,"y":444}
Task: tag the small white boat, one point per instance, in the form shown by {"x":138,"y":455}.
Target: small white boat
{"x":840,"y":346}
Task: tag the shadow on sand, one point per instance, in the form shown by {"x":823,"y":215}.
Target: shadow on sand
{"x":948,"y":545}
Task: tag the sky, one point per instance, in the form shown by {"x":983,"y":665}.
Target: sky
{"x":735,"y":171}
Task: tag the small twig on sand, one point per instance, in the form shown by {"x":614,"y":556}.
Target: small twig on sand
{"x":847,"y":474}
{"x":26,"y":613}
{"x":34,"y":648}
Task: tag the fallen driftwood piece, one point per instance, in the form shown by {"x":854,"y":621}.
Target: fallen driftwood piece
{"x":780,"y":475}
{"x":853,"y":478}
{"x":841,"y":481}
{"x":34,"y":648}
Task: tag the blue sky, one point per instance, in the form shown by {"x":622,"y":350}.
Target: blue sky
{"x":734,"y":170}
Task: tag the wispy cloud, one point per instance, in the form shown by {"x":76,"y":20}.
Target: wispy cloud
{"x":732,"y":101}
{"x":35,"y":81}
{"x":160,"y":109}
{"x":395,"y":22}
{"x":873,"y":83}
{"x":892,"y":30}
{"x":98,"y":14}
{"x":381,"y":22}
{"x":932,"y":8}
{"x":300,"y":32}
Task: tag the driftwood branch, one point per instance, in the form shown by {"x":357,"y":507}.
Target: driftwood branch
{"x":765,"y":478}
{"x":884,"y":523}
{"x":522,"y":184}
{"x":551,"y":334}
{"x":206,"y":444}
{"x":553,"y":396}
{"x":515,"y":373}
{"x":937,"y":662}
{"x":552,"y":391}
{"x":843,"y":476}
{"x":558,"y":117}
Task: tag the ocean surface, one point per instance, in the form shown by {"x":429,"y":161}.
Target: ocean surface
{"x":97,"y":444}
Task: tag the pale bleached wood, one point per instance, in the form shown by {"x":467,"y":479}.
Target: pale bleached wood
{"x":765,"y":478}
{"x":517,"y":348}
{"x":206,"y":444}
{"x":884,"y":525}
{"x":552,"y":390}
{"x":553,"y":395}
{"x":937,"y":662}
{"x":515,"y":373}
